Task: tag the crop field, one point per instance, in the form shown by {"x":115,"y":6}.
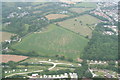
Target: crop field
{"x":53,"y":41}
{"x":15,"y":58}
{"x":83,"y":25}
{"x":55,"y":16}
{"x":5,"y":36}
{"x":86,"y":5}
{"x":80,"y":10}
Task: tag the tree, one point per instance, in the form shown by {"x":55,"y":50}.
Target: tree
{"x":26,"y":64}
{"x":88,"y":74}
{"x":111,"y":63}
{"x":70,"y":59}
{"x":75,"y":19}
{"x":12,"y":64}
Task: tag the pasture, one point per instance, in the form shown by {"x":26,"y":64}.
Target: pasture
{"x":82,"y":25}
{"x":55,"y":16}
{"x":5,"y":36}
{"x":80,"y":10}
{"x":86,"y":5}
{"x":53,"y":41}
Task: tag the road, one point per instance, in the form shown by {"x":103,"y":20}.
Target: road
{"x":23,"y":73}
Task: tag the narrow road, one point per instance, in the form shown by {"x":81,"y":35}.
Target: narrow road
{"x":23,"y":73}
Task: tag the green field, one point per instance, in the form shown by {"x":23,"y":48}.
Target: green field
{"x":53,"y":41}
{"x":83,"y":25}
{"x":80,"y":10}
{"x":86,"y":5}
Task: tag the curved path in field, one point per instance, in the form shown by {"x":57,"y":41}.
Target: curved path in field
{"x":54,"y":64}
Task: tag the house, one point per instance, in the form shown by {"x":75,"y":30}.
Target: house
{"x":73,"y":75}
{"x":34,"y":75}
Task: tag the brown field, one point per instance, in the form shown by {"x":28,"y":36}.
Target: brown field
{"x":80,"y":10}
{"x":55,"y":16}
{"x":5,"y":36}
{"x":15,"y":58}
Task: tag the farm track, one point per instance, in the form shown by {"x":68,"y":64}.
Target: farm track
{"x":54,"y":64}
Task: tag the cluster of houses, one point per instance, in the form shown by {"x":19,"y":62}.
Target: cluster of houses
{"x":63,"y":12}
{"x":108,"y":4}
{"x":99,"y":62}
{"x":12,"y":71}
{"x":112,"y":13}
{"x":65,"y":75}
{"x":114,"y":28}
{"x":96,"y":62}
{"x":9,"y":41}
{"x":106,"y":73}
{"x":100,"y":14}
{"x":19,"y":15}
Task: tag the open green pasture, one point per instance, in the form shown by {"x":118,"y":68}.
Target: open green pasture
{"x":53,"y":41}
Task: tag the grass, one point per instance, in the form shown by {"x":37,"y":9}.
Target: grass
{"x":62,"y":68}
{"x":84,"y":28}
{"x":53,"y":41}
{"x":86,"y":5}
{"x":80,"y":10}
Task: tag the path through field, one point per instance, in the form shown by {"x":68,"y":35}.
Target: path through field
{"x":54,"y":64}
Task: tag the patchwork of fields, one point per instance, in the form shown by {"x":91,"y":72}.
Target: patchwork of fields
{"x":54,"y":41}
{"x":82,"y":25}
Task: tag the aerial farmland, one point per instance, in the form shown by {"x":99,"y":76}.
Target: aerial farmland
{"x":59,"y":40}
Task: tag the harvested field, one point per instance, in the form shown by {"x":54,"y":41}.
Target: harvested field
{"x":15,"y":58}
{"x":55,"y":16}
{"x":5,"y":36}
